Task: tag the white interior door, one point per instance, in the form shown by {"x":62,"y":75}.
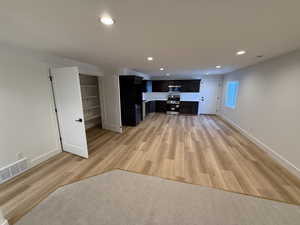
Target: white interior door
{"x":209,"y":96}
{"x":70,"y":110}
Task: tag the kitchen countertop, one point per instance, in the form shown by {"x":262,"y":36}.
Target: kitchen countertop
{"x":163,"y":96}
{"x":154,"y":100}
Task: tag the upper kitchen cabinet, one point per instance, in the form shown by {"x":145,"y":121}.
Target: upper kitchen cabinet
{"x":186,"y":85}
{"x":160,"y":86}
{"x":189,"y":85}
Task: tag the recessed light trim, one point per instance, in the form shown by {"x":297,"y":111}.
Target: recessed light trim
{"x":241,"y":52}
{"x":218,"y":67}
{"x":162,"y":69}
{"x":106,"y":20}
{"x":150,"y":58}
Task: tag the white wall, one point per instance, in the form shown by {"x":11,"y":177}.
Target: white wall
{"x":27,"y":118}
{"x":127,"y":71}
{"x":268,"y":106}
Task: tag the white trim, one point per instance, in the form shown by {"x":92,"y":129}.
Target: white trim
{"x":44,"y":157}
{"x":286,"y":163}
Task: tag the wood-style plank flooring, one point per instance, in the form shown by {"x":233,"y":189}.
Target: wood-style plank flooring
{"x":201,"y":150}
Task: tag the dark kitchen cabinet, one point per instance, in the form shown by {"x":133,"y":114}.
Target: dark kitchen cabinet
{"x":160,"y":86}
{"x":131,"y":100}
{"x":190,"y":85}
{"x":175,"y":82}
{"x":185,"y":85}
{"x":161,"y":106}
{"x":150,"y":107}
{"x":189,"y":108}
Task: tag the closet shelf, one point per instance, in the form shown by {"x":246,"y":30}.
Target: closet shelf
{"x":93,"y":107}
{"x":89,"y":97}
{"x":87,"y":86}
{"x":92,"y":117}
{"x":90,"y":100}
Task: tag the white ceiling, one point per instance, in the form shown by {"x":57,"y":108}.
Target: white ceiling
{"x":187,"y":37}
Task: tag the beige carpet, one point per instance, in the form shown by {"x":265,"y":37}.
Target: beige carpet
{"x":123,"y":198}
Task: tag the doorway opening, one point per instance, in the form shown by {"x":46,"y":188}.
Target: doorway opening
{"x":91,"y":104}
{"x":90,"y":101}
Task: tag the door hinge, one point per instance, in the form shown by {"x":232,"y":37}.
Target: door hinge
{"x":60,"y":139}
{"x":55,"y":110}
{"x":51,"y":78}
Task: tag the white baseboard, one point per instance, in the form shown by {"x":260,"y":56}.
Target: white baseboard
{"x":115,"y":128}
{"x":283,"y":161}
{"x":44,"y":157}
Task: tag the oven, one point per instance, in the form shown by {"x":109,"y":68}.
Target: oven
{"x":173,"y":104}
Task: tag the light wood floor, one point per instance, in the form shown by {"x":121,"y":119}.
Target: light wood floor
{"x":201,"y":150}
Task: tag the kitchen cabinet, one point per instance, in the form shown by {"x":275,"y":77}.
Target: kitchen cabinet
{"x":161,"y":106}
{"x":186,"y":85}
{"x":131,"y":100}
{"x":150,"y":107}
{"x":189,"y":108}
{"x":160,"y":86}
{"x":189,"y":85}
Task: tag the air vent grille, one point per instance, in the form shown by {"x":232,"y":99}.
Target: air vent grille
{"x":13,"y":170}
{"x":4,"y":174}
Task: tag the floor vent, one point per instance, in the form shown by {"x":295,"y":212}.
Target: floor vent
{"x":12,"y":170}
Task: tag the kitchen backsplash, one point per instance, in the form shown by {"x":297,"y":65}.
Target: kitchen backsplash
{"x":184,"y":96}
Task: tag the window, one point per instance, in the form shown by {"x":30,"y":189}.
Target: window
{"x":231,"y":94}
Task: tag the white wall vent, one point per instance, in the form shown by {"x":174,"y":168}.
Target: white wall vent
{"x":12,"y":170}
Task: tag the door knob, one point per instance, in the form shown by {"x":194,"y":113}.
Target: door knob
{"x":79,"y":120}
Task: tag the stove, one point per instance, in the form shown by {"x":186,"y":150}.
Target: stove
{"x":173,"y":104}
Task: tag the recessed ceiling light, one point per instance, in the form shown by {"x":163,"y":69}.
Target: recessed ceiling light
{"x":162,"y":69}
{"x":107,"y":20}
{"x":218,"y":67}
{"x":241,"y":52}
{"x":150,"y":58}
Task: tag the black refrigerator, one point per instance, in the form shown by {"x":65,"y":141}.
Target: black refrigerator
{"x":131,"y":96}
